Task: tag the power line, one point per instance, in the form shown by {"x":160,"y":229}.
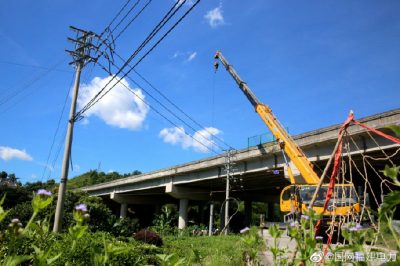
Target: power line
{"x":34,"y":66}
{"x":60,"y":144}
{"x":9,"y":97}
{"x":115,"y":17}
{"x":97,"y":97}
{"x":180,"y":110}
{"x":132,"y":20}
{"x":165,"y":107}
{"x":57,"y":129}
{"x":155,"y":30}
{"x":173,"y":104}
{"x":159,"y":113}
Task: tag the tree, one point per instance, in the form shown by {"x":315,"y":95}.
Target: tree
{"x":12,"y":178}
{"x":3,"y":176}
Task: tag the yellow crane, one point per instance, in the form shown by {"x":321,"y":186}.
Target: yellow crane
{"x":295,"y":197}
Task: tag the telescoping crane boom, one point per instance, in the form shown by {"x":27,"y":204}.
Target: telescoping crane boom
{"x":302,"y":187}
{"x":285,"y":141}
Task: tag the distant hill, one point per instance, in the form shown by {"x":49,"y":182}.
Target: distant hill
{"x":93,"y":177}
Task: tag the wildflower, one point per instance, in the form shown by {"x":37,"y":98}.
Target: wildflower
{"x":355,"y":228}
{"x":15,"y":226}
{"x":43,"y":192}
{"x":329,"y":255}
{"x":359,"y":226}
{"x":41,"y":200}
{"x":305,"y":217}
{"x":319,"y":237}
{"x":81,"y":207}
{"x":292,"y":224}
{"x":15,"y":223}
{"x":359,"y":256}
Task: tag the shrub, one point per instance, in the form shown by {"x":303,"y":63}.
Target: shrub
{"x":101,"y":217}
{"x":148,"y":237}
{"x":125,"y":226}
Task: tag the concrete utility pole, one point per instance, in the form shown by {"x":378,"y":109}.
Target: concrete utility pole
{"x":229,"y":170}
{"x":81,"y":56}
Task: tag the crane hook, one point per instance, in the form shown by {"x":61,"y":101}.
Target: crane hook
{"x":216,"y":65}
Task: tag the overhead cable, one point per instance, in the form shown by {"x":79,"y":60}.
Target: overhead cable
{"x":46,"y":166}
{"x":18,"y":91}
{"x":158,"y":27}
{"x":163,"y":116}
{"x":173,"y":104}
{"x":98,"y":96}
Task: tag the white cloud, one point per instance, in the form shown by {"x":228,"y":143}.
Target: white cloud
{"x":184,"y":56}
{"x":191,"y":56}
{"x":119,"y":108}
{"x":7,"y":153}
{"x":176,"y":54}
{"x":215,"y":17}
{"x":201,"y":141}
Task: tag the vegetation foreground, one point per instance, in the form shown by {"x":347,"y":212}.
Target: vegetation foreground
{"x":35,"y":244}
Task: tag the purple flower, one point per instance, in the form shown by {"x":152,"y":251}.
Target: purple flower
{"x":81,"y":207}
{"x":305,"y":217}
{"x":319,"y":237}
{"x":43,"y":192}
{"x":358,"y":256}
{"x":359,"y":226}
{"x":329,"y":255}
{"x":15,"y":221}
{"x":292,"y":224}
{"x":275,"y":172}
{"x":353,"y":229}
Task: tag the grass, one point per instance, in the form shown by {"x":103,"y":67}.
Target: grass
{"x":215,"y":250}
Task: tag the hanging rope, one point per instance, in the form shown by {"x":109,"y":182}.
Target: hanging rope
{"x":341,"y":168}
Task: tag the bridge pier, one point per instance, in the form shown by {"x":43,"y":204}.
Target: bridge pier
{"x":123,"y":210}
{"x":183,"y":213}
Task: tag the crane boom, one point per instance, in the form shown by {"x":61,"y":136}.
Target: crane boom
{"x":286,"y":142}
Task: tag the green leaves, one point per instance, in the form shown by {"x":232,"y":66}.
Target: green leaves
{"x":40,"y":202}
{"x":15,"y":260}
{"x":395,"y":129}
{"x":41,"y":258}
{"x":274,"y":231}
{"x":77,"y":231}
{"x":170,"y":260}
{"x":392,"y":172}
{"x":3,"y":213}
{"x":390,"y":203}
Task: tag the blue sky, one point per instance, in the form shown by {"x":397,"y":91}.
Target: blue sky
{"x":311,"y":61}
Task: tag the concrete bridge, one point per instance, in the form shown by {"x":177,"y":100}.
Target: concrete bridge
{"x":259,"y":176}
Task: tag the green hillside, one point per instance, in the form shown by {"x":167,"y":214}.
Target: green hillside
{"x":94,"y":177}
